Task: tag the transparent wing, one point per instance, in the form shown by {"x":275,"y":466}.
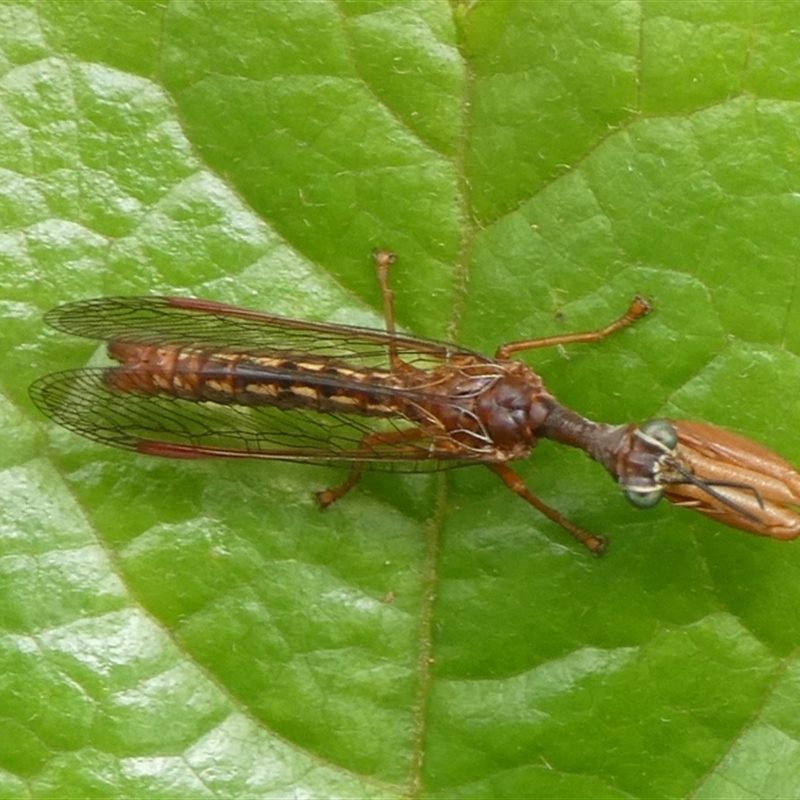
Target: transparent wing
{"x":186,"y":322}
{"x":165,"y":425}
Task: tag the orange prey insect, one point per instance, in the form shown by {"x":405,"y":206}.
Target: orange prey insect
{"x":199,"y":379}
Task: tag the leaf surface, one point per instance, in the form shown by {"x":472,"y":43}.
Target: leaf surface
{"x":190,"y":629}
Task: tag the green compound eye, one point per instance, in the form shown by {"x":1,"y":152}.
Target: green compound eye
{"x":659,"y":436}
{"x":646,"y":499}
{"x":662,"y":432}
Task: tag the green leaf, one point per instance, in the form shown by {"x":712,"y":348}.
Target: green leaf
{"x":201,"y":629}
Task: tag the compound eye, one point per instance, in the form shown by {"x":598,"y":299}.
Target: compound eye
{"x":646,"y":499}
{"x":661,"y":431}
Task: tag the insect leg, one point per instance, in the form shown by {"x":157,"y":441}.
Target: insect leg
{"x":367,"y":445}
{"x":513,"y":481}
{"x":638,"y":308}
{"x":383,"y":260}
{"x":328,"y":496}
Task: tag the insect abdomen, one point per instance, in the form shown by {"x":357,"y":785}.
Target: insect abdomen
{"x":228,"y":379}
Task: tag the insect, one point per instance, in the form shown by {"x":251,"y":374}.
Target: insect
{"x":200,"y":379}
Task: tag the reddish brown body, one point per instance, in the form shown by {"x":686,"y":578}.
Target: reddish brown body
{"x":467,"y":406}
{"x":197,"y":379}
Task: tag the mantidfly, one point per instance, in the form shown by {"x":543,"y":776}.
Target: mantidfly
{"x":199,"y":379}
